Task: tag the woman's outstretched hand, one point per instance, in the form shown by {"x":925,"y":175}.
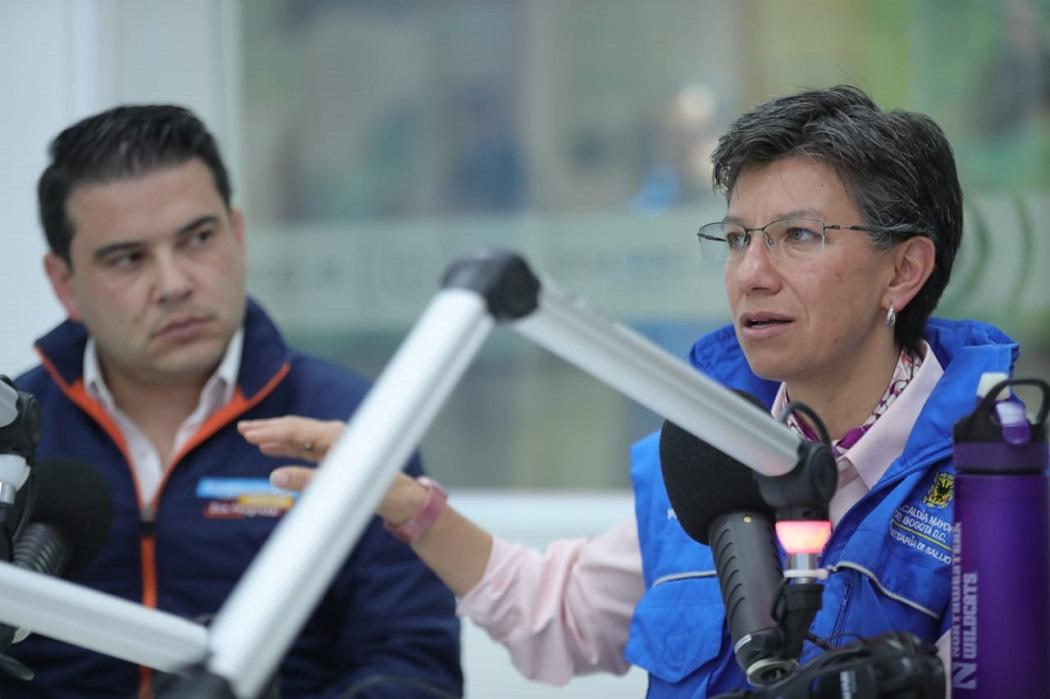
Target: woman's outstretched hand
{"x":298,"y":437}
{"x":295,"y":438}
{"x":455,"y":548}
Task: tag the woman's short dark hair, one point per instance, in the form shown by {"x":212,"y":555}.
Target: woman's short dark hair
{"x":118,"y":143}
{"x":897,"y":167}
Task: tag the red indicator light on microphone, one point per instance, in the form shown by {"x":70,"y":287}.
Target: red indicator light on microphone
{"x":803,"y":536}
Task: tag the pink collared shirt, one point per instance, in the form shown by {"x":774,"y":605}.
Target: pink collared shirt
{"x":564,"y":611}
{"x":567,"y":611}
{"x":863,"y":464}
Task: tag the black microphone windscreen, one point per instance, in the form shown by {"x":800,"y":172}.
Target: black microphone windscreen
{"x":704,"y":483}
{"x":73,"y":497}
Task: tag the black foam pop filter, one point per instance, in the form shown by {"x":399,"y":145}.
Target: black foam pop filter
{"x":704,"y":483}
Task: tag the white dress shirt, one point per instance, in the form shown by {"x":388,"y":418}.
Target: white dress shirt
{"x":145,"y":460}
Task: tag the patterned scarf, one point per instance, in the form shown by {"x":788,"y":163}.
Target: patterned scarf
{"x":908,"y":364}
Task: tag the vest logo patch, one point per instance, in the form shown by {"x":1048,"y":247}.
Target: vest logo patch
{"x":241,"y":498}
{"x":921,"y":524}
{"x":940,"y":493}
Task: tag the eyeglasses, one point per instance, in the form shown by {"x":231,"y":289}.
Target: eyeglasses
{"x":788,"y":238}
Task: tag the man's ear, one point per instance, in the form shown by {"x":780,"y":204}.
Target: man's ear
{"x":913,"y":264}
{"x":60,"y":274}
{"x":237,"y":226}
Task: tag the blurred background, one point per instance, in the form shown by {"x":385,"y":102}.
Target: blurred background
{"x":374,"y":141}
{"x":382,"y":138}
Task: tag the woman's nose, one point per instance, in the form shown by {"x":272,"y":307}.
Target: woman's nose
{"x":757,"y":268}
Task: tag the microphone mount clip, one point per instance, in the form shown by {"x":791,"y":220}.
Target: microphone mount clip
{"x":19,"y":434}
{"x":800,"y":498}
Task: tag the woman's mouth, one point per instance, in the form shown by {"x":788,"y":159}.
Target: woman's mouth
{"x":763,"y":325}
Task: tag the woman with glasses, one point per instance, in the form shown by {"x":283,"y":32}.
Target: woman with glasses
{"x":842,"y":225}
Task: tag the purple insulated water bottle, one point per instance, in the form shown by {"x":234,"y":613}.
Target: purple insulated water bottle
{"x":1001,"y":547}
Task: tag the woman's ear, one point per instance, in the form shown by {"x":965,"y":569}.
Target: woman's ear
{"x":913,"y":262}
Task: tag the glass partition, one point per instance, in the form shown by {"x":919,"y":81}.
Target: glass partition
{"x":385,"y":137}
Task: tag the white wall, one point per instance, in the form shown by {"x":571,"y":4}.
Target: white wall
{"x":45,"y":80}
{"x":61,"y":60}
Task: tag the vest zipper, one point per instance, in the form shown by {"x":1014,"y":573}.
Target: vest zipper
{"x":148,"y":554}
{"x":840,"y":618}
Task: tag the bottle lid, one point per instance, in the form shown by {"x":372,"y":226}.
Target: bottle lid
{"x":999,"y":436}
{"x":990,"y":379}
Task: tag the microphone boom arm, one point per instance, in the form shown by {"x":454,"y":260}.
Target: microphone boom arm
{"x":271,"y":602}
{"x":99,"y":621}
{"x":258,"y":622}
{"x":641,"y":370}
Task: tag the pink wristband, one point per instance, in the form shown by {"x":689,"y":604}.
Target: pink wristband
{"x":410,"y":531}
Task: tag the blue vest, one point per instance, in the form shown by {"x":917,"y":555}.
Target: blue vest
{"x":889,"y":556}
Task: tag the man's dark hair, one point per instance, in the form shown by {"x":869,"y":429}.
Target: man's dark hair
{"x":897,"y":167}
{"x":115,"y":144}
